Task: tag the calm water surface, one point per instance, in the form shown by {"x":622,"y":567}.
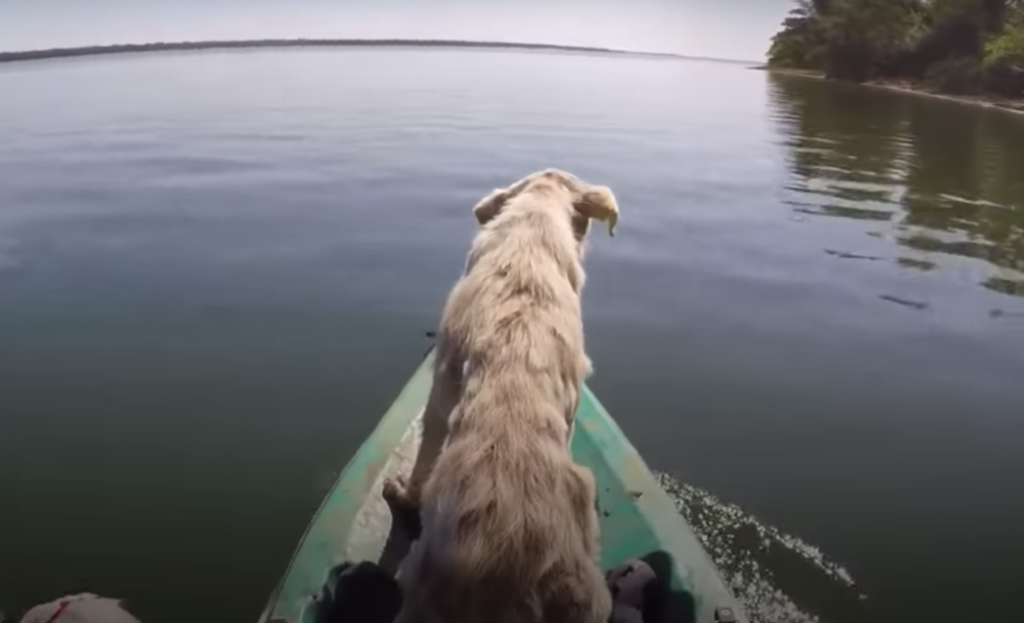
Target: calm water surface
{"x":216,"y":270}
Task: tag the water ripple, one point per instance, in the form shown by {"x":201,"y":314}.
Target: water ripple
{"x":921,"y":173}
{"x":778,"y":577}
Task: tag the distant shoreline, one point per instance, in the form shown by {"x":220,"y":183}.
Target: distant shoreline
{"x":913,"y":88}
{"x":54,"y":53}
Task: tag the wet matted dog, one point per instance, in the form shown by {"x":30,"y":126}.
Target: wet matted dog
{"x":509,"y":526}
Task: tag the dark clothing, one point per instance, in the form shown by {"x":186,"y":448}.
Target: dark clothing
{"x":365,"y":593}
{"x":635,"y":591}
{"x":358,"y":593}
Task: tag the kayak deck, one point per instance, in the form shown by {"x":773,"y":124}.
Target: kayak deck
{"x":637,"y":517}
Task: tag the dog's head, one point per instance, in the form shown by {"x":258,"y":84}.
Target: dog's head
{"x":588,"y":201}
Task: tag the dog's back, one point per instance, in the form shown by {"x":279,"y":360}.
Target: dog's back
{"x":510,"y":530}
{"x":507,"y":535}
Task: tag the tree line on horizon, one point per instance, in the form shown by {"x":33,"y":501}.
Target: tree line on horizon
{"x":953,"y":46}
{"x":126,"y":48}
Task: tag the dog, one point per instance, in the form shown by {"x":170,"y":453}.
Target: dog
{"x":509,"y":528}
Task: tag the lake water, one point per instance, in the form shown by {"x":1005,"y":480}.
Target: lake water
{"x":216,"y":271}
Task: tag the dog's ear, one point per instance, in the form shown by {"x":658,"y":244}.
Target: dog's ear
{"x":488,"y":207}
{"x":598,"y":202}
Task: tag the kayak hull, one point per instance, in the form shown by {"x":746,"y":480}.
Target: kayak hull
{"x":637,"y":517}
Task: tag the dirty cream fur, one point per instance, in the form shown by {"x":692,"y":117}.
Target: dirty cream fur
{"x":510,"y":531}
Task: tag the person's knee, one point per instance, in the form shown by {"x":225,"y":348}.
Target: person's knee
{"x":81,"y":608}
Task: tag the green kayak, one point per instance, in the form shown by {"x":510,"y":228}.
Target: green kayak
{"x":637,"y":517}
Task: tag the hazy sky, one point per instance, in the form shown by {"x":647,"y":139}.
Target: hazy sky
{"x":737,"y":29}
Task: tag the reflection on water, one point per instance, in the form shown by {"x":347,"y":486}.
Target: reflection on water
{"x":938,"y":179}
{"x":209,"y":259}
{"x":778,"y":577}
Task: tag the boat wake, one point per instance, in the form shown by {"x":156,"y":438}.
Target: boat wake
{"x":777,"y":577}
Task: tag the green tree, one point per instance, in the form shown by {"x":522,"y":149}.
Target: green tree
{"x":866,"y":38}
{"x":1003,"y":63}
{"x":960,"y":46}
{"x":801,"y":41}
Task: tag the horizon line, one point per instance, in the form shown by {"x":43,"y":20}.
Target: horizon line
{"x":135,"y":48}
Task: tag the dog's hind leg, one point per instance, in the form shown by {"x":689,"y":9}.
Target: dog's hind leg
{"x":582,"y":596}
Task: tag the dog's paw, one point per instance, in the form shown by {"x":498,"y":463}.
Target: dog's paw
{"x":404,"y":507}
{"x":399,"y":495}
{"x":395,"y":490}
